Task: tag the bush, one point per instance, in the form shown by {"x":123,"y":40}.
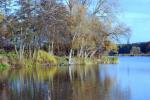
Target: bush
{"x":45,"y":58}
{"x":114,"y":60}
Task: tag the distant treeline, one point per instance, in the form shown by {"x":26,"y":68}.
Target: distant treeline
{"x":126,"y":48}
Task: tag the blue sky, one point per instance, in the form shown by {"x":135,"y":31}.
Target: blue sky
{"x":136,"y":14}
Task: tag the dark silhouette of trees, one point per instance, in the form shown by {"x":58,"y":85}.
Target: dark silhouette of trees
{"x":126,"y":48}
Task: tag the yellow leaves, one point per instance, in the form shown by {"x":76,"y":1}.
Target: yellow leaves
{"x":110,"y":46}
{"x":90,"y":32}
{"x":72,"y":23}
{"x":45,"y":58}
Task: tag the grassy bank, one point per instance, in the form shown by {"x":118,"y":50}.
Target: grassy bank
{"x":45,"y":59}
{"x":109,"y":60}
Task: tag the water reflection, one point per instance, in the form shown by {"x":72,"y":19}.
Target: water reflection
{"x":65,"y":83}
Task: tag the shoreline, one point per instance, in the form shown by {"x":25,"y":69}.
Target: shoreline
{"x":10,"y":60}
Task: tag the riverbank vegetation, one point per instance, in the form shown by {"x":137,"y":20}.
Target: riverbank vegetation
{"x":58,"y":32}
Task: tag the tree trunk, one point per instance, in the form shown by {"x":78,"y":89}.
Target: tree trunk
{"x":20,"y":50}
{"x":92,"y":54}
{"x":70,"y":57}
{"x":16,"y":51}
{"x":85,"y":54}
{"x":51,"y":48}
{"x":80,"y":52}
{"x":30,"y":52}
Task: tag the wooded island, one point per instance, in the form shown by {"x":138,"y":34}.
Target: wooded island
{"x":58,"y":32}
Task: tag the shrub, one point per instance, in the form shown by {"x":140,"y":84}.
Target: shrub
{"x":45,"y":58}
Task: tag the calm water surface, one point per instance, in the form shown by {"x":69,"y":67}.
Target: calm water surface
{"x":128,"y":80}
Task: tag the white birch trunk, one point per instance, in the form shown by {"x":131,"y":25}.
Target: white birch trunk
{"x":70,"y":57}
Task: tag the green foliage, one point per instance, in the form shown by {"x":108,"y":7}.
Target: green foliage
{"x":3,"y":66}
{"x":11,"y":57}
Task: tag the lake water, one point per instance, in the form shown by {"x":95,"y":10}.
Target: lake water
{"x":128,"y":80}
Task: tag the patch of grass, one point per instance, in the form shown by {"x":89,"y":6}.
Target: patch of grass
{"x":43,"y":58}
{"x":90,"y":61}
{"x":62,"y":60}
{"x":3,"y":66}
{"x":109,"y":60}
{"x":78,"y":60}
{"x":29,"y":63}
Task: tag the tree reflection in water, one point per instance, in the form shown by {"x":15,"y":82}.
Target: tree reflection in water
{"x":65,"y":83}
